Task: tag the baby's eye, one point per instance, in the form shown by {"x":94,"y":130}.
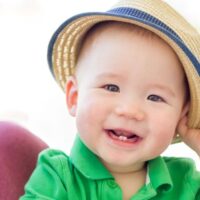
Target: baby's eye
{"x":111,"y":88}
{"x":155,"y":98}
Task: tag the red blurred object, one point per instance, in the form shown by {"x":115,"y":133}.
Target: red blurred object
{"x":19,"y":149}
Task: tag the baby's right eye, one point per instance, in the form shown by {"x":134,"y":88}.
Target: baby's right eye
{"x":111,"y":88}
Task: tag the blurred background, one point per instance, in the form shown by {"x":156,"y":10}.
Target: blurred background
{"x":28,"y":93}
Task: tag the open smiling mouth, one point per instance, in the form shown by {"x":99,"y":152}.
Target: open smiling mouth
{"x":123,"y":136}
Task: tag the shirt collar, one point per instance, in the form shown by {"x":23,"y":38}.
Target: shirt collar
{"x":159,"y":175}
{"x":91,"y":167}
{"x":87,"y":162}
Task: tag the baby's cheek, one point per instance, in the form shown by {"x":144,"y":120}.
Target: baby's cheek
{"x":87,"y":113}
{"x":166,"y":131}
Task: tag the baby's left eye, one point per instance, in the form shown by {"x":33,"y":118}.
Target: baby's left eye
{"x":155,"y":98}
{"x":112,"y":88}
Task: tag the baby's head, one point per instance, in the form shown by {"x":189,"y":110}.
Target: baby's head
{"x":126,"y":74}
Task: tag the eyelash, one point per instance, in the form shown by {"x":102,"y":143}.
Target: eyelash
{"x":111,"y":88}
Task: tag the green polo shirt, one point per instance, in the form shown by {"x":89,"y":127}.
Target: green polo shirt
{"x":81,"y":176}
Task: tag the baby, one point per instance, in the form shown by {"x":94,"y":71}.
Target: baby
{"x":131,"y":78}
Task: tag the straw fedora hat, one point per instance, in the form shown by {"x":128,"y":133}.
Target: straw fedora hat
{"x":154,"y":15}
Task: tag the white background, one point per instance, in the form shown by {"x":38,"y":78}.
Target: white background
{"x":28,"y":93}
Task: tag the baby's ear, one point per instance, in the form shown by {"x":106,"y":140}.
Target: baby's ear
{"x":182,"y":124}
{"x":185,"y":109}
{"x":72,"y":95}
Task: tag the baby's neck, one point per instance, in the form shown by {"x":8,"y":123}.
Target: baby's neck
{"x":130,"y":182}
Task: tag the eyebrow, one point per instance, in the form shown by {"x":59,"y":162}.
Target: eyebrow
{"x":163,"y":87}
{"x":107,"y":75}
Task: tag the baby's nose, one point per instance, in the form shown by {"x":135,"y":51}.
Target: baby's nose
{"x":131,"y":110}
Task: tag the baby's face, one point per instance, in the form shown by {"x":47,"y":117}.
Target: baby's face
{"x":130,"y":97}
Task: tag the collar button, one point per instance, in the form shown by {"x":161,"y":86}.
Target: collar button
{"x":112,"y":184}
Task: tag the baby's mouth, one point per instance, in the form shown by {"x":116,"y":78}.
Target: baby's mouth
{"x":123,"y":136}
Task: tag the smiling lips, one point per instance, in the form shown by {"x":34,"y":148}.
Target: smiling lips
{"x":123,"y":136}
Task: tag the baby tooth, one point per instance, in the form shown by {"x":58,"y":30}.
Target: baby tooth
{"x":123,"y":138}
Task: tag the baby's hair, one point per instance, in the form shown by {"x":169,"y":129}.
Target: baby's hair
{"x":101,"y":26}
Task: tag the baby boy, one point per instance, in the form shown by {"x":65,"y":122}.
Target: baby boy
{"x":131,"y":81}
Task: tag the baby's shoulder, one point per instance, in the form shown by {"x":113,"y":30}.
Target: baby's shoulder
{"x":183,"y":169}
{"x":52,"y":155}
{"x":49,"y":152}
{"x":57,"y":160}
{"x":182,"y":162}
{"x":185,"y":176}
